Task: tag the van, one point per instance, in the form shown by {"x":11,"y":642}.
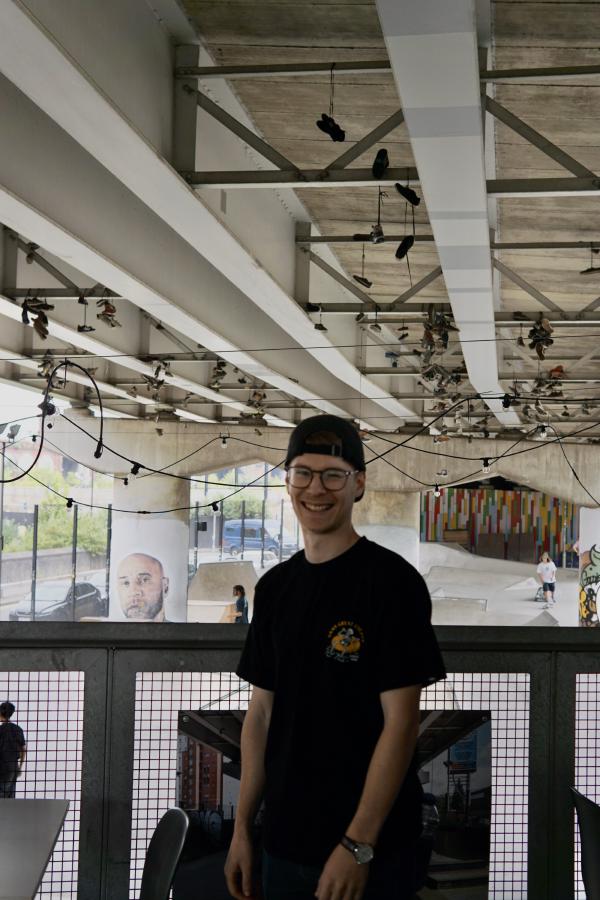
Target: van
{"x":254,"y":534}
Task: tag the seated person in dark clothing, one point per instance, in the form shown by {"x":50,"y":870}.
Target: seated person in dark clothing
{"x":12,"y":751}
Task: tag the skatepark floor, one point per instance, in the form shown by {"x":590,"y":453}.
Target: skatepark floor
{"x":474,"y":590}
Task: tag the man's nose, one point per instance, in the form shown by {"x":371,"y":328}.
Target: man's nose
{"x":316,"y":485}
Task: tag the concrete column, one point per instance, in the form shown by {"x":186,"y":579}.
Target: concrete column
{"x":392,"y":518}
{"x":589,"y":566}
{"x":149,"y":551}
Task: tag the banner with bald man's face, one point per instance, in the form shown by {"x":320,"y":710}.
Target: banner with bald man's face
{"x":148,"y":569}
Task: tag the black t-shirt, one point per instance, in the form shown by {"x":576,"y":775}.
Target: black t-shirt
{"x":327,"y":639}
{"x":12,"y":741}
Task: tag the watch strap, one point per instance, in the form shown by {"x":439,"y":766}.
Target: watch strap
{"x":361,"y":852}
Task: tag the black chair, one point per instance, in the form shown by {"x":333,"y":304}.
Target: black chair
{"x":588,"y":816}
{"x":163,"y":855}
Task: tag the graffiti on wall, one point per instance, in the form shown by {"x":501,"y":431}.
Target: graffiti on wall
{"x":589,"y":583}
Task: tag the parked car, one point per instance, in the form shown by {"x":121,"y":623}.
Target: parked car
{"x":98,"y":580}
{"x":54,"y":602}
{"x":254,"y":536}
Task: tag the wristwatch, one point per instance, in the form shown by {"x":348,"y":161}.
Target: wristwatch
{"x":362,"y":853}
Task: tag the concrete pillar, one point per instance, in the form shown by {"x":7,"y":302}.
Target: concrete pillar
{"x":149,"y":552}
{"x":392,"y":518}
{"x":589,"y":566}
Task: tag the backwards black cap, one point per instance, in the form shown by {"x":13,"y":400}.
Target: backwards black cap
{"x":348,"y":446}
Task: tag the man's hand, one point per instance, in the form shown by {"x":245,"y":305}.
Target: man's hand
{"x":239,"y":868}
{"x":342,"y":878}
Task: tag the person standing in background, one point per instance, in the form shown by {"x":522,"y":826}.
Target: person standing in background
{"x":547,"y":574}
{"x":12,"y":751}
{"x":241,"y":604}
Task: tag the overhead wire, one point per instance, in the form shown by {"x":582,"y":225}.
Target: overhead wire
{"x":579,"y":334}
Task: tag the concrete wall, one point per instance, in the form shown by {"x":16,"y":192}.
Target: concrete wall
{"x":392,"y":519}
{"x":542,"y":468}
{"x":16,"y":567}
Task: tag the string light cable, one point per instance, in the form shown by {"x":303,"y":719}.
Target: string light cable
{"x":152,"y":471}
{"x":70,"y":502}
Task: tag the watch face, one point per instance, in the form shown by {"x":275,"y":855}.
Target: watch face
{"x":363,"y":853}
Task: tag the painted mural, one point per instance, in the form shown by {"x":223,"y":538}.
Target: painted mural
{"x":552,"y":522}
{"x":589,"y":582}
{"x":589,"y":567}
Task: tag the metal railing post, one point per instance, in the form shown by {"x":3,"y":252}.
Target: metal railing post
{"x":281,"y":532}
{"x":108,"y":548}
{"x":243,"y":529}
{"x":262,"y":532}
{"x":36,"y":511}
{"x":74,"y":558}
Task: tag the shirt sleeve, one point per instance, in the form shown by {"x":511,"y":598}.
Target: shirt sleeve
{"x":257,"y":663}
{"x":407,"y":648}
{"x":540,"y":569}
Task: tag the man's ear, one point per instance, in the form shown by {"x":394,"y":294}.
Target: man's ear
{"x":165,"y":585}
{"x":360,"y":483}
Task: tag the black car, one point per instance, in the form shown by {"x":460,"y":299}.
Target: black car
{"x":54,"y":603}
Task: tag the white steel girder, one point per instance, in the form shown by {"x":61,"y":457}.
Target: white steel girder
{"x":433,"y":51}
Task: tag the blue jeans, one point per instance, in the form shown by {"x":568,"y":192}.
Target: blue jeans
{"x":389,"y":879}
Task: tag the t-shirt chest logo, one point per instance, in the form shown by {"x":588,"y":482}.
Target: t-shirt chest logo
{"x":345,"y":642}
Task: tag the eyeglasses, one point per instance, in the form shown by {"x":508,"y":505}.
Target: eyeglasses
{"x":331,"y":479}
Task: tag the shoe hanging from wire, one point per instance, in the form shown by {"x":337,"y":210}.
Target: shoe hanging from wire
{"x":591,"y":269}
{"x":361,"y":279}
{"x":327,"y":123}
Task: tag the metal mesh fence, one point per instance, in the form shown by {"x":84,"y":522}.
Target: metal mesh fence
{"x":507,"y":696}
{"x":160,"y":696}
{"x":49,"y":709}
{"x":587,"y":754}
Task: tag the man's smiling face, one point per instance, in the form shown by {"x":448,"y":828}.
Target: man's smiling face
{"x":319,"y":510}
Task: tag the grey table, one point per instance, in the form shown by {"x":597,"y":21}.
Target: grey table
{"x":28,"y":832}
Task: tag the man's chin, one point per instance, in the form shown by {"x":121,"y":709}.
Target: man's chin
{"x":137,"y":613}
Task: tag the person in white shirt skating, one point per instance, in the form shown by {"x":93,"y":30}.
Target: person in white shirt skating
{"x":547,"y":574}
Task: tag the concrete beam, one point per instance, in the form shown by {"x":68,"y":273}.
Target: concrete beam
{"x":294,"y":178}
{"x":357,"y":67}
{"x":428,"y":238}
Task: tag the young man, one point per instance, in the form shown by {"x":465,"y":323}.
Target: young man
{"x":337,"y":660}
{"x":546,"y":572}
{"x":12,"y":751}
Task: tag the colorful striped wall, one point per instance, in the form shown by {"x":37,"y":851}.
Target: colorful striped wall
{"x":488,"y":511}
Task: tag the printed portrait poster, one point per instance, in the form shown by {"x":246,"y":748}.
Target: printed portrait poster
{"x":148,"y":569}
